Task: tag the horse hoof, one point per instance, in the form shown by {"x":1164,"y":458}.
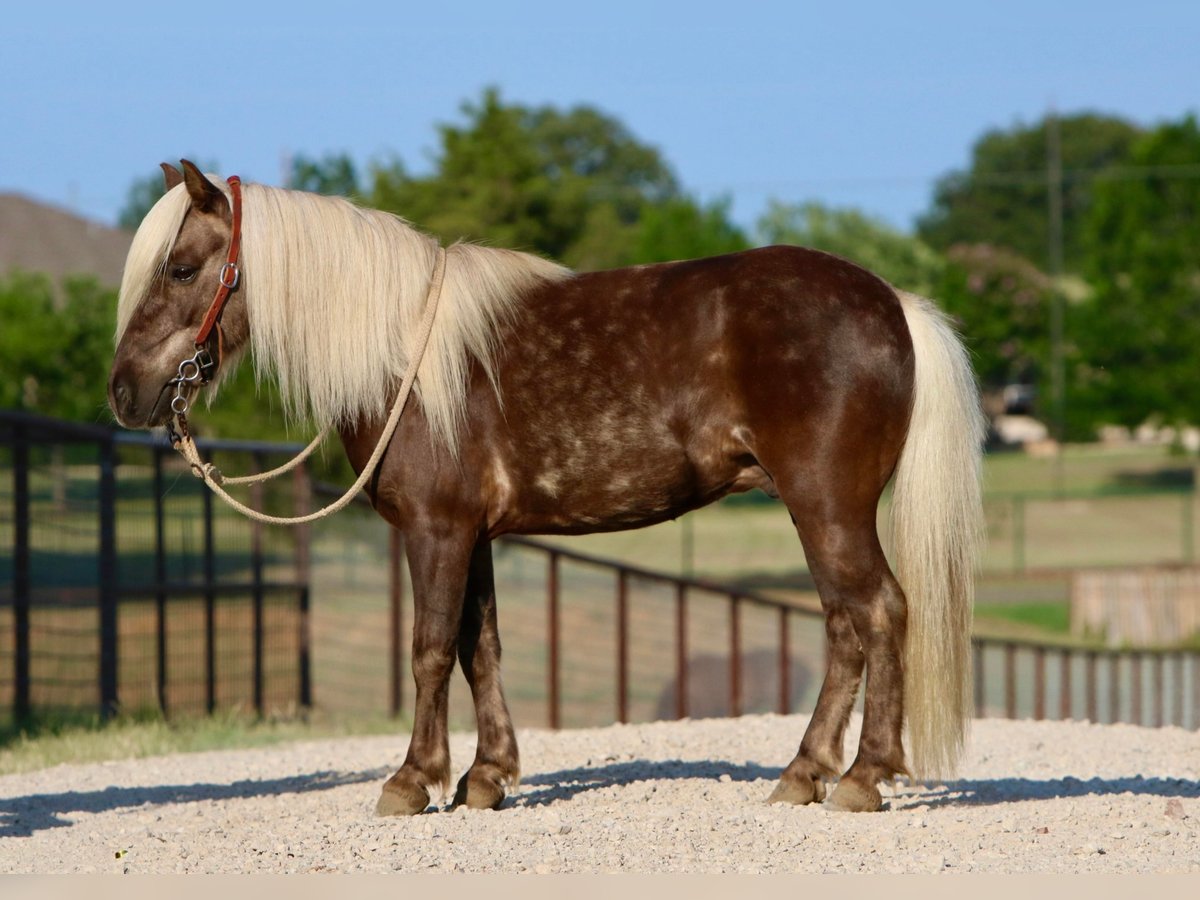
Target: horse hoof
{"x":850,"y":796}
{"x":798,"y":791}
{"x":402,"y":799}
{"x":478,"y":792}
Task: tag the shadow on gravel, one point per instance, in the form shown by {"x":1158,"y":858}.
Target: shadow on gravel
{"x":22,"y":816}
{"x":1015,"y":790}
{"x":553,"y":787}
{"x":540,"y":790}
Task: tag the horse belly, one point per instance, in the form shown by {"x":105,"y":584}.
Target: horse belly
{"x":613,"y":473}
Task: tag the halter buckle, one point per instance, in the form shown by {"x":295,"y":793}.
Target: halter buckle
{"x":227,"y":281}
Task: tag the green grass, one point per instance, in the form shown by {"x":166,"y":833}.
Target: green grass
{"x":52,"y":739}
{"x":1050,"y":618}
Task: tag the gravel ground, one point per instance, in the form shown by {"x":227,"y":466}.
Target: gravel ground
{"x":1044,"y":797}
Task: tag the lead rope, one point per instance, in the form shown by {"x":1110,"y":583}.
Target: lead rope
{"x":185,"y":444}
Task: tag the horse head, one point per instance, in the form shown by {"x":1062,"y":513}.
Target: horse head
{"x":174,"y":268}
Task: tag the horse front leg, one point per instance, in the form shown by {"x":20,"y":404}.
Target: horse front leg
{"x":496,"y":767}
{"x":438,"y":564}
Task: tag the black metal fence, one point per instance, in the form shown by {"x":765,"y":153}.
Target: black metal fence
{"x":124,"y":586}
{"x":123,"y":589}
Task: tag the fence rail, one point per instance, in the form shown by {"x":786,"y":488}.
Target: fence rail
{"x":68,"y":572}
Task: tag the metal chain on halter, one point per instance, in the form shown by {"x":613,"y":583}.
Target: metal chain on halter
{"x":181,"y":437}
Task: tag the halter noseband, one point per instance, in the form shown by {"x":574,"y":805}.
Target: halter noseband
{"x":199,"y":369}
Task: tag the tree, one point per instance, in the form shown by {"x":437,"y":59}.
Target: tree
{"x":1140,"y":329}
{"x":1001,"y":199}
{"x":901,"y":259}
{"x":332,"y":174}
{"x":682,"y":228}
{"x":1002,"y":302}
{"x":533,"y":179}
{"x":56,"y":346}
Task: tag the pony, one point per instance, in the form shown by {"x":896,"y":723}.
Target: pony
{"x":554,"y":401}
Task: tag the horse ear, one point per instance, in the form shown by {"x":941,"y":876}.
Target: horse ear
{"x":206,"y":196}
{"x":171,"y":176}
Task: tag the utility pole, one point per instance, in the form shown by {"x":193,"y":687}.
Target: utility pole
{"x":1054,"y":191}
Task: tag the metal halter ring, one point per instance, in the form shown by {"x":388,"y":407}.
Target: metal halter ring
{"x":179,"y":403}
{"x":190,"y":375}
{"x":224,"y":276}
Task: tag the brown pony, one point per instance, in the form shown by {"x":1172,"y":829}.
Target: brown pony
{"x":549,"y":401}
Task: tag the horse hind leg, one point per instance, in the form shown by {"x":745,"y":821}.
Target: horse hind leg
{"x":858,"y":588}
{"x":496,"y":767}
{"x":820,"y":756}
{"x":865,"y":627}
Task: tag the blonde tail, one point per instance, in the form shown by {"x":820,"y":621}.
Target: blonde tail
{"x":937,"y":528}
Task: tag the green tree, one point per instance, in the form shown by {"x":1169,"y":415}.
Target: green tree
{"x":1001,"y":199}
{"x":332,"y":174}
{"x":570,"y":185}
{"x":56,"y":346}
{"x":1139,"y":331}
{"x":905,"y":261}
{"x":1002,"y":302}
{"x":683,"y":228}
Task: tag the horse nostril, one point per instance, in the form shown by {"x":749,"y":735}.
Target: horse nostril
{"x":120,"y":398}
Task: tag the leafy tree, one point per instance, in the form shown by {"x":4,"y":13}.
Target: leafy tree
{"x":1002,"y":302}
{"x":901,"y":259}
{"x":57,"y":345}
{"x":682,"y":228}
{"x":534,"y":179}
{"x":1001,"y":199}
{"x":332,"y":174}
{"x":1140,"y":329}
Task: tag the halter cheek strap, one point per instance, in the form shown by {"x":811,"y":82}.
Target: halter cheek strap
{"x":229,"y":277}
{"x":201,"y":368}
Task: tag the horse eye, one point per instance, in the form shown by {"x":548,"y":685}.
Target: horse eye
{"x":183,"y":273}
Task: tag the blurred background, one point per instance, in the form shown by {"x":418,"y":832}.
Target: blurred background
{"x":1033,"y":167}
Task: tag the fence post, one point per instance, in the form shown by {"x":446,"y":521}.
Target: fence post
{"x":108,"y":579}
{"x":1159,"y":706}
{"x":552,"y":627}
{"x":1010,"y":680}
{"x":1114,"y":687}
{"x":1177,"y":697}
{"x":1065,"y":698}
{"x":1090,"y":679}
{"x":980,"y":687}
{"x":785,"y":664}
{"x":160,"y":579}
{"x":256,"y":571}
{"x":735,"y":656}
{"x":622,"y":646}
{"x":210,"y":604}
{"x":1135,"y":709}
{"x":1018,"y":512}
{"x":681,"y":662}
{"x":21,"y":574}
{"x":302,"y":492}
{"x":1039,"y":683}
{"x":1187,"y":530}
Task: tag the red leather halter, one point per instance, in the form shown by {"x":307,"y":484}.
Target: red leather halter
{"x":229,"y":277}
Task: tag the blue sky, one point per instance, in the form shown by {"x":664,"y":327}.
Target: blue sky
{"x":853,"y":104}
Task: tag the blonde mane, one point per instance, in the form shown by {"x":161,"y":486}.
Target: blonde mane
{"x":334,"y":295}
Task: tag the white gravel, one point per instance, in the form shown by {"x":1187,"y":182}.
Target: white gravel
{"x":1041,"y":797}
